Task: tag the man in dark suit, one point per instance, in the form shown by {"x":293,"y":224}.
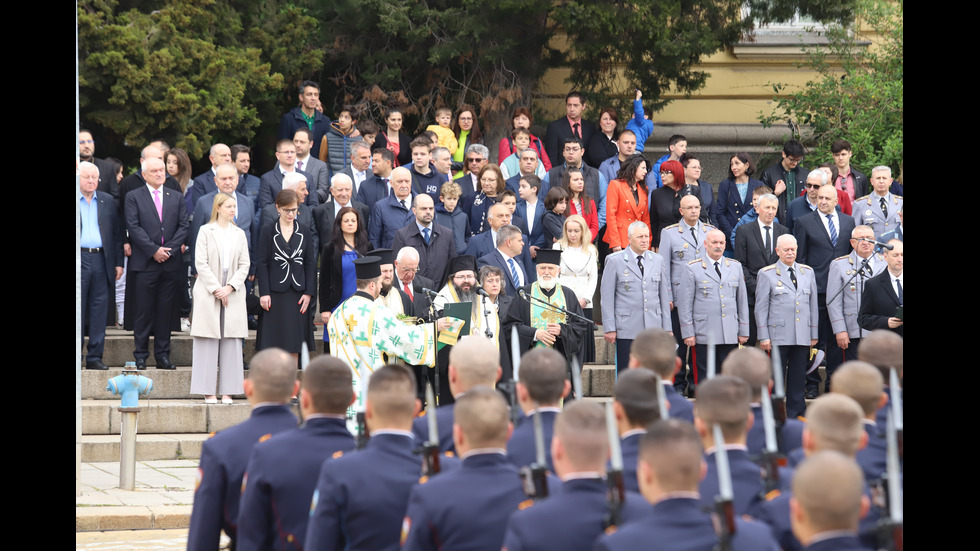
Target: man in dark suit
{"x":571,"y":125}
{"x":325,"y":214}
{"x":241,"y":156}
{"x":485,"y":243}
{"x":136,"y":179}
{"x":86,"y":152}
{"x":884,"y":294}
{"x":204,"y":184}
{"x":755,"y":250}
{"x":318,"y":171}
{"x":158,"y":224}
{"x":101,"y":259}
{"x":376,"y":187}
{"x":226,"y":179}
{"x":822,"y":236}
{"x":433,"y":242}
{"x":271,"y":182}
{"x":508,"y":257}
{"x":359,"y":168}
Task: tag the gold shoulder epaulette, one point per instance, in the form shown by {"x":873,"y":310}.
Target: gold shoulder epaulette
{"x":338,"y":453}
{"x":769,"y":267}
{"x":695,"y":261}
{"x":525,"y":504}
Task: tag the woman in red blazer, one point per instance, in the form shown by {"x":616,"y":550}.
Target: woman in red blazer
{"x":626,"y":201}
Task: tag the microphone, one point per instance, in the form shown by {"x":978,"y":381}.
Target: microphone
{"x":878,"y":243}
{"x":523,"y":294}
{"x":479,"y":289}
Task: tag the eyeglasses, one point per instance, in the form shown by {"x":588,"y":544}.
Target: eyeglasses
{"x":475,"y":160}
{"x":291,"y":211}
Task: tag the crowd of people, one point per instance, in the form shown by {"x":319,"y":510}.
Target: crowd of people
{"x":404,"y":245}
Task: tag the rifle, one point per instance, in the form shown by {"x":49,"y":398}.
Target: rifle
{"x":778,"y":393}
{"x":511,"y":386}
{"x":362,"y":431}
{"x":711,"y":355}
{"x":617,"y":489}
{"x":430,"y":450}
{"x":771,"y":457}
{"x":576,"y":378}
{"x":895,"y":389}
{"x":724,"y":514}
{"x":662,"y":399}
{"x":891,"y":532}
{"x":535,"y":477}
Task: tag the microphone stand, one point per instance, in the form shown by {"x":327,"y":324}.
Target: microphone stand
{"x":859,"y":271}
{"x":435,"y":338}
{"x":554,"y":308}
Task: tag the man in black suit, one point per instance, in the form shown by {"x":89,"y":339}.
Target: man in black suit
{"x":271,"y":182}
{"x":136,"y":180}
{"x":158,"y":224}
{"x":325,"y":214}
{"x":101,"y":259}
{"x":485,"y":243}
{"x":86,"y":152}
{"x":318,"y":170}
{"x":884,"y":294}
{"x":755,"y":248}
{"x":434,"y":243}
{"x":410,"y":283}
{"x":571,"y":125}
{"x":220,"y":154}
{"x":822,"y":236}
{"x":507,"y":257}
{"x":376,"y":187}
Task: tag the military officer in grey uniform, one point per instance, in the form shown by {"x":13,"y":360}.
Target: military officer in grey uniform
{"x":879,"y":209}
{"x":680,"y":244}
{"x":786,"y":316}
{"x":711,"y":299}
{"x":634,"y":278}
{"x":843,"y":306}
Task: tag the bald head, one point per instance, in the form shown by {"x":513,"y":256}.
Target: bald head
{"x":671,"y":449}
{"x":752,"y":366}
{"x":834,"y":422}
{"x":474,"y":361}
{"x":862,"y":382}
{"x":827,"y":495}
{"x":219,"y":154}
{"x":151,"y":152}
{"x":883,"y":349}
{"x":636,"y":394}
{"x":655,"y":349}
{"x":581,"y":430}
{"x":328,"y":384}
{"x":272,"y":376}
{"x":725,"y":401}
{"x":714,"y":244}
{"x":481,"y":415}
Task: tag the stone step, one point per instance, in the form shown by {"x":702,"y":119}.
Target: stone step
{"x":149,"y":447}
{"x":102,"y":417}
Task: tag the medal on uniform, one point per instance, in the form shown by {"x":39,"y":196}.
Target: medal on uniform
{"x":680,"y":254}
{"x":779,"y":284}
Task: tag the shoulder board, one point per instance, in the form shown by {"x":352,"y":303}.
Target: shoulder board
{"x":449,"y":453}
{"x":805,"y":266}
{"x":265,"y":437}
{"x":527,"y":503}
{"x":846,"y":256}
{"x":421,"y":413}
{"x":710,"y":226}
{"x":861,"y":198}
{"x":730,"y":261}
{"x":772,"y":495}
{"x":424,"y":479}
{"x":672,"y":226}
{"x":211,"y":434}
{"x":801,"y":419}
{"x":695,"y":261}
{"x":895,"y":198}
{"x":338,"y":453}
{"x":769,"y":267}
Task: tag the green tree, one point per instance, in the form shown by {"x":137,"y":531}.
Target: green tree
{"x":185,"y":71}
{"x":859,"y":93}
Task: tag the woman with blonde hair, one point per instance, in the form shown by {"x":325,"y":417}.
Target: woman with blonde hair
{"x":219,"y":321}
{"x":579,"y":268}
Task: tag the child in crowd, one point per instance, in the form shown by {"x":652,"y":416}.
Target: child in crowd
{"x":368,"y":130}
{"x":555,"y":204}
{"x":445,"y":135}
{"x":511,"y":166}
{"x":640,"y":124}
{"x":424,"y":174}
{"x":447,"y":214}
{"x":336,"y":151}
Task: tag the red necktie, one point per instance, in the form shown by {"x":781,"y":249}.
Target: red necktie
{"x":408,"y":291}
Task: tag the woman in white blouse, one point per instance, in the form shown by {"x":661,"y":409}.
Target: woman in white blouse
{"x":579,"y":268}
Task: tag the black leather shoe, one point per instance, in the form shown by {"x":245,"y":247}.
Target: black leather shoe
{"x":812,"y":393}
{"x":141,"y":364}
{"x":96,"y":364}
{"x":163,"y":362}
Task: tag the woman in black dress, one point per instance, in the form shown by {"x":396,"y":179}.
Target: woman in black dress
{"x":286,"y":271}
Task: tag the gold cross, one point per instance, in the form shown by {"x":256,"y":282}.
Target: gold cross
{"x":351,"y":324}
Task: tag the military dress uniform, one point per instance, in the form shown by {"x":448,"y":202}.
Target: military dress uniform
{"x":220,"y":472}
{"x":548,"y":524}
{"x":747,"y":483}
{"x":786,"y":313}
{"x":444,"y":423}
{"x":360,"y":497}
{"x":630,"y":450}
{"x":775,"y":513}
{"x":634,"y":299}
{"x":679,"y":523}
{"x":843,"y":307}
{"x":790,"y":438}
{"x":681,"y":244}
{"x":712,"y":304}
{"x":867,"y":210}
{"x":466,"y":509}
{"x":521,"y":449}
{"x":279,"y":482}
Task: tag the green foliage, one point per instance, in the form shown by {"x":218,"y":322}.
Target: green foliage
{"x":655,"y":44}
{"x":859,"y":94}
{"x":824,"y":11}
{"x":184,"y":72}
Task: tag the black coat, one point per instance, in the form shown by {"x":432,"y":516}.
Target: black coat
{"x":815,"y":248}
{"x":878,"y":303}
{"x":750,"y":252}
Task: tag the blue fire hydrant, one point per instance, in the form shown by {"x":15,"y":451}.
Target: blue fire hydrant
{"x":130,"y":385}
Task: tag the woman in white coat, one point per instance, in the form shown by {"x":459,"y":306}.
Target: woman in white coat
{"x":219,"y":323}
{"x":579,"y":268}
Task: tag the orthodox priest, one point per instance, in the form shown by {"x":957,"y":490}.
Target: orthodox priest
{"x":461,"y":287}
{"x":363,"y":330}
{"x":390,"y":296}
{"x":539,"y":325}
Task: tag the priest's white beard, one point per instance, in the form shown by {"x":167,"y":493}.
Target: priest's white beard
{"x":546,"y":284}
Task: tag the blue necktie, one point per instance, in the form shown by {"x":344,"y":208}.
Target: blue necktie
{"x":901,"y":294}
{"x":425,"y":235}
{"x":513,"y":273}
{"x":833,"y":230}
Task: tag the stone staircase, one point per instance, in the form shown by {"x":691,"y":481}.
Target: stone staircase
{"x":172,"y":423}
